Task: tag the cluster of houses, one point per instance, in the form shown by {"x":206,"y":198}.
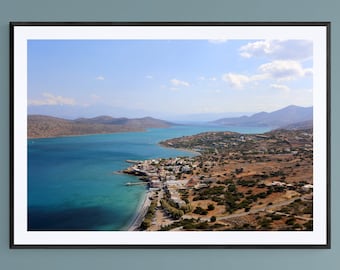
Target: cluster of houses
{"x":305,"y":187}
{"x":163,"y":174}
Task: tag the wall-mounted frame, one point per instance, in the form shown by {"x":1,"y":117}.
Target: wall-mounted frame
{"x":215,"y":135}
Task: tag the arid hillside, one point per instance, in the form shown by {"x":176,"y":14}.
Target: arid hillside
{"x":41,"y":126}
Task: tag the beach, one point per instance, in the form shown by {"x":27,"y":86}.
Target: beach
{"x":143,"y":209}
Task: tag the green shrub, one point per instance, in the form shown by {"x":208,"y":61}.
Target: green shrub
{"x":211,"y":207}
{"x":290,"y":221}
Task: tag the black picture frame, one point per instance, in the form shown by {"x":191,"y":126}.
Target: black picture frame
{"x":22,"y":32}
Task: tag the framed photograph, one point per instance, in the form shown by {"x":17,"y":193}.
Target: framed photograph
{"x":170,"y":135}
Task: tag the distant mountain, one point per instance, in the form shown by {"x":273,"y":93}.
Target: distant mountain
{"x":299,"y":125}
{"x":283,"y":117}
{"x":145,"y":122}
{"x":42,"y":126}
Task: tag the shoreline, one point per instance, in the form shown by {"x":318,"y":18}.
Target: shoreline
{"x":141,"y":212}
{"x":137,"y":130}
{"x":143,"y":208}
{"x":82,"y":135}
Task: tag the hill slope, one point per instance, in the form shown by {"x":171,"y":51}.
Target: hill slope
{"x":41,"y":126}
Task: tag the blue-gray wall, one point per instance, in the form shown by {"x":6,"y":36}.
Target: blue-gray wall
{"x":166,"y":10}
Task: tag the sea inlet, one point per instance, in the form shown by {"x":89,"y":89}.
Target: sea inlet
{"x":74,"y":184}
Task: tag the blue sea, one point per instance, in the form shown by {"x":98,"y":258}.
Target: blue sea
{"x":73,"y":182}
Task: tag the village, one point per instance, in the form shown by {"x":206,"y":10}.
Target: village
{"x":235,"y":182}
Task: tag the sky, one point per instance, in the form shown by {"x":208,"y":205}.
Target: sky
{"x":168,"y":79}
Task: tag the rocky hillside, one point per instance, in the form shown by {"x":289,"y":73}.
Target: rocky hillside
{"x":42,"y":126}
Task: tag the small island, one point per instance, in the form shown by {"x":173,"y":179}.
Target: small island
{"x":255,"y":182}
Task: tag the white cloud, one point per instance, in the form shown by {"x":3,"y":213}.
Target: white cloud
{"x":280,"y":87}
{"x":277,"y":70}
{"x":202,"y":78}
{"x":52,"y":100}
{"x":283,"y":70}
{"x":177,"y":83}
{"x":149,"y":77}
{"x":100,"y":78}
{"x":279,"y":49}
{"x":236,"y":80}
{"x":257,"y":48}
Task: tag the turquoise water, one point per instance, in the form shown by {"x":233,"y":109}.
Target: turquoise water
{"x":73,"y":184}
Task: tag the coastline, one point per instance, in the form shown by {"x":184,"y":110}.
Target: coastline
{"x":149,"y":195}
{"x":141,"y":212}
{"x":163,"y":173}
{"x":82,"y":135}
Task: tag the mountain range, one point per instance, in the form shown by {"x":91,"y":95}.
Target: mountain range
{"x":42,"y":126}
{"x":288,"y":116}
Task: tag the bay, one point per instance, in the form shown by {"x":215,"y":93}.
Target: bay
{"x":73,"y":182}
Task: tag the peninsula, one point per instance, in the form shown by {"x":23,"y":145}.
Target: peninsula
{"x":237,"y":182}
